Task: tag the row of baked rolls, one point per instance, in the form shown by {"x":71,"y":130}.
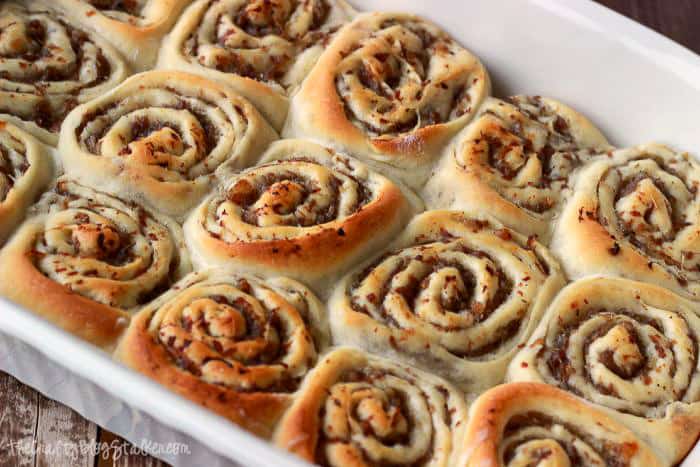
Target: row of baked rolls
{"x":536,"y":425}
{"x":516,"y":161}
{"x":629,"y":348}
{"x":455,"y":294}
{"x":392,"y":88}
{"x":356,"y":409}
{"x":164,"y":137}
{"x":134,"y":27}
{"x":84,"y":260}
{"x":261,"y":48}
{"x":48,"y":65}
{"x":305,"y":212}
{"x":235,"y":343}
{"x":25,"y":169}
{"x":636,"y":214}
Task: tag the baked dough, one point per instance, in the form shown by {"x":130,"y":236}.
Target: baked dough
{"x":357,"y":409}
{"x":261,"y":48}
{"x":629,"y":348}
{"x":455,"y":294}
{"x":84,"y":260}
{"x":49,"y":65}
{"x":25,"y":170}
{"x":390,"y":88}
{"x":515,"y":161}
{"x":134,"y":27}
{"x":234,"y":343}
{"x":528,"y":424}
{"x":305,"y":211}
{"x":163,"y":137}
{"x":635,"y":214}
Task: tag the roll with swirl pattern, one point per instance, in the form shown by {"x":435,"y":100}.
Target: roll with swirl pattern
{"x":390,"y":88}
{"x":261,"y":48}
{"x":25,"y":170}
{"x":362,"y":410}
{"x":49,"y":65}
{"x":305,"y":211}
{"x":635,"y":214}
{"x":536,"y":425}
{"x":134,"y":27}
{"x":85,"y":261}
{"x":163,"y":137}
{"x":234,"y":343}
{"x":455,"y":294}
{"x":517,"y":161}
{"x":629,"y":348}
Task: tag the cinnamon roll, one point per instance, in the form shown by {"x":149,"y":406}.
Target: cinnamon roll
{"x":360,"y":410}
{"x":164,"y":137}
{"x":391,"y":88}
{"x":261,"y":48}
{"x":134,"y":27}
{"x":516,"y":162}
{"x":25,"y":169}
{"x":629,"y":348}
{"x":529,"y":424}
{"x":234,"y":343}
{"x":305,"y":212}
{"x":48,"y":65}
{"x":455,"y":294}
{"x":84,"y":260}
{"x":635,"y":214}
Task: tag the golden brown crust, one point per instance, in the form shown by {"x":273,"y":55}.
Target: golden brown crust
{"x":234,"y":343}
{"x":49,"y":65}
{"x":357,"y":409}
{"x":262,"y":49}
{"x":25,"y":169}
{"x":636,"y":214}
{"x":527,"y":423}
{"x":628,"y":347}
{"x":134,"y":31}
{"x":166,"y":137}
{"x":344,"y":101}
{"x":24,"y":284}
{"x":455,"y":294}
{"x":304,"y":211}
{"x":516,"y":161}
{"x":85,"y":260}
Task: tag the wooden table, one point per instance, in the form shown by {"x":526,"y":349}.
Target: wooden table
{"x":29,"y":419}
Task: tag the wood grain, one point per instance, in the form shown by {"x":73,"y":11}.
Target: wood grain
{"x":677,"y":19}
{"x":30,"y":423}
{"x":19,"y":409}
{"x":63,"y":438}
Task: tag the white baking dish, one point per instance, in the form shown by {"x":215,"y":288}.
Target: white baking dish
{"x":635,"y":84}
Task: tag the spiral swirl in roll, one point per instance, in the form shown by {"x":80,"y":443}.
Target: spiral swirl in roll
{"x":637,"y":214}
{"x":24,"y":170}
{"x":263,"y":48}
{"x":356,"y":409}
{"x":516,"y":160}
{"x":85,"y":260}
{"x":48,"y":65}
{"x":527,"y":424}
{"x":390,"y":87}
{"x":113,"y":252}
{"x":166,"y":136}
{"x":455,"y":294}
{"x":306,"y":212}
{"x":626,"y":346}
{"x":134,"y":27}
{"x":236,"y":338}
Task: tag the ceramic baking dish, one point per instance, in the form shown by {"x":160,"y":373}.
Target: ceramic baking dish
{"x":635,"y":84}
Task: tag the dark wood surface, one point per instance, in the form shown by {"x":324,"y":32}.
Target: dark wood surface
{"x":30,"y":424}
